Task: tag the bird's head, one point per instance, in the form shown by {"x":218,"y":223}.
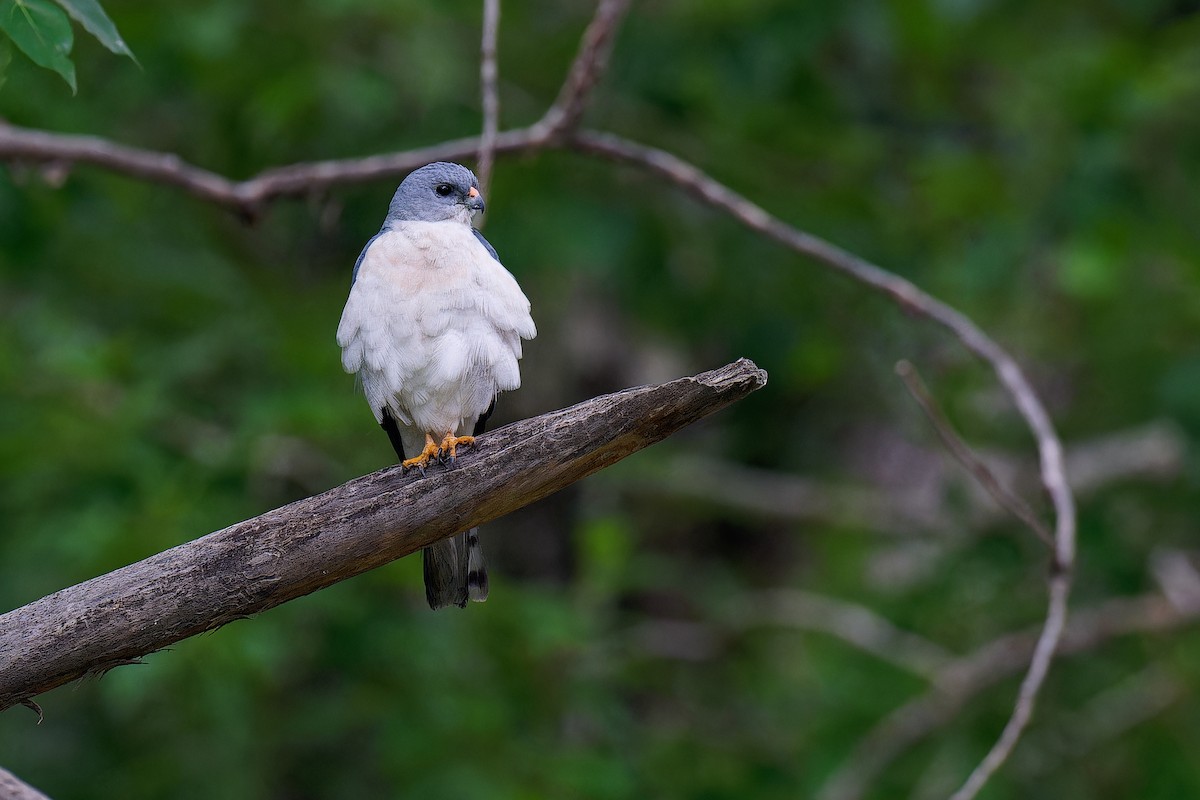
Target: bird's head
{"x":437,"y":192}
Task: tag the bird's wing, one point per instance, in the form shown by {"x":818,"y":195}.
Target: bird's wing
{"x":485,"y":243}
{"x":361,"y":256}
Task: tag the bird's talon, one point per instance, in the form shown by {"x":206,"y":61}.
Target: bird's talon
{"x":448,"y":448}
{"x":421,"y":461}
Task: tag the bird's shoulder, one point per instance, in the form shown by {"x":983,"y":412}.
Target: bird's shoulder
{"x":419,"y":245}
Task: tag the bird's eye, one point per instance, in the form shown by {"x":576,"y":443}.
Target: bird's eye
{"x":443,"y":189}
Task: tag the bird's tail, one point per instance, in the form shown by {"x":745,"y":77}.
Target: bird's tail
{"x":455,"y":572}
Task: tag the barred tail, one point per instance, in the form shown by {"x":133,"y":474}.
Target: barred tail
{"x":455,"y":572}
{"x":477,"y":579}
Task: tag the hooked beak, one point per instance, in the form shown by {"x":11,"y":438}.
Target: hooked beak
{"x":474,"y":200}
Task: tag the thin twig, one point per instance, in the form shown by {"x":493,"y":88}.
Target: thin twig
{"x":1153,"y":451}
{"x":564,"y":115}
{"x":1007,"y":500}
{"x":965,"y":677}
{"x":248,"y":197}
{"x":852,"y":623}
{"x":489,"y":91}
{"x":1107,"y":717}
{"x":908,"y":296}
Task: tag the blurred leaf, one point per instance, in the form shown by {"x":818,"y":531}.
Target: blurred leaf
{"x":1089,"y":272}
{"x":91,"y":16}
{"x":5,"y":59}
{"x":43,"y":33}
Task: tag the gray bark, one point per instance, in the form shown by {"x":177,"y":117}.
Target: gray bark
{"x":294,"y":550}
{"x":13,"y":788}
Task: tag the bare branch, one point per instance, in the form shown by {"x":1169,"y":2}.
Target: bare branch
{"x":1106,"y":717}
{"x":967,"y":676}
{"x":13,"y":788}
{"x":850,"y":622}
{"x":1007,"y":500}
{"x":1177,"y":577}
{"x":1151,"y":451}
{"x":24,"y":144}
{"x":724,"y":485}
{"x":312,"y":543}
{"x":489,"y":90}
{"x":1157,"y":449}
{"x":1031,"y":684}
{"x":564,"y":116}
{"x":913,"y":299}
{"x":248,"y":197}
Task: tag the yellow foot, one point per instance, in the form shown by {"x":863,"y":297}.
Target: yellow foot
{"x":451,"y":442}
{"x":421,"y":461}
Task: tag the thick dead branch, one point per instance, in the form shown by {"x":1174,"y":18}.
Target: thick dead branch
{"x":307,"y":545}
{"x":13,"y":788}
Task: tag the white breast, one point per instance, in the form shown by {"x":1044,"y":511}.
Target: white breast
{"x":433,"y":326}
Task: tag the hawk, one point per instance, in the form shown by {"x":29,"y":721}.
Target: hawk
{"x":433,"y":328}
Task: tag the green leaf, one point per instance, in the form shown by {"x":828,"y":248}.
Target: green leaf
{"x":42,"y":31}
{"x":91,"y":16}
{"x":5,"y":60}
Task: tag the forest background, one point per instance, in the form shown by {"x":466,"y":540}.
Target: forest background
{"x":683,"y":624}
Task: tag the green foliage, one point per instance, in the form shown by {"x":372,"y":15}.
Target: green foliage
{"x":168,"y":370}
{"x":43,"y":32}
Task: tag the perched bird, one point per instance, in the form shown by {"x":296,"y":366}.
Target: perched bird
{"x":433,"y":327}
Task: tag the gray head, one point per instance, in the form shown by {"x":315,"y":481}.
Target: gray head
{"x":436,"y":192}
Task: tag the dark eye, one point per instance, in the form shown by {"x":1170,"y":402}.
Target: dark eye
{"x":443,"y":189}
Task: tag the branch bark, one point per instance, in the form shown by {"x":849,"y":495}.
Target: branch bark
{"x":13,"y":788}
{"x":257,"y":564}
{"x":248,"y":197}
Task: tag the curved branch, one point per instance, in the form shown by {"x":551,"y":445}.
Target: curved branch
{"x":590,"y":62}
{"x":913,"y":299}
{"x":965,"y":677}
{"x":254,"y":565}
{"x":248,"y":197}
